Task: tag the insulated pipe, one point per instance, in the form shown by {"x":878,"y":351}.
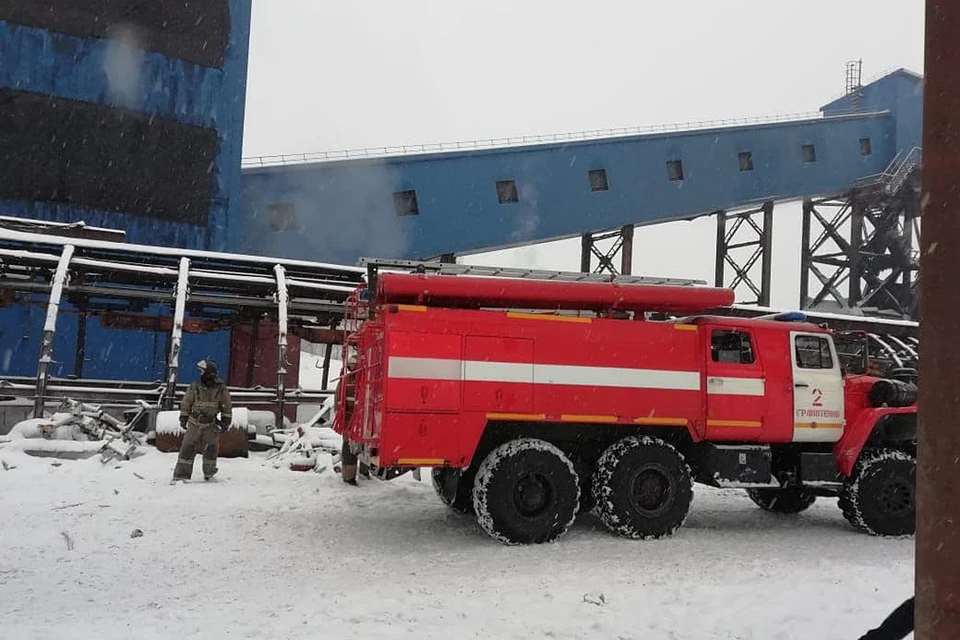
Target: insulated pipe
{"x":282,"y":307}
{"x":50,"y":327}
{"x":467,"y":291}
{"x":176,"y":334}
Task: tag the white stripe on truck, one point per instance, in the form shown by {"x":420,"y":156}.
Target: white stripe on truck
{"x":546,"y":374}
{"x":726,"y":386}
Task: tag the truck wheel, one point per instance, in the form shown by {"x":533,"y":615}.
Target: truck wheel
{"x":643,"y":488}
{"x":788,"y":500}
{"x":454,"y":488}
{"x":879,"y":498}
{"x":526,"y":491}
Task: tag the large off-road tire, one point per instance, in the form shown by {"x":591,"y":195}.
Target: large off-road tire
{"x":788,"y":500}
{"x":455,"y":488}
{"x":526,"y":491}
{"x":642,"y":487}
{"x":879,"y":498}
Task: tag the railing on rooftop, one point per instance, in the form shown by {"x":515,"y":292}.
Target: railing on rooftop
{"x":517,"y":141}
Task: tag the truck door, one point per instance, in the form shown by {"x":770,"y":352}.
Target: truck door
{"x":817,"y":388}
{"x":736,"y":406}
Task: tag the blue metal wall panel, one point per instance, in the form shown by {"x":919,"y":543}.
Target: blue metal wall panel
{"x":345,"y":209}
{"x":21,"y":330}
{"x":111,"y":354}
{"x":901,"y":92}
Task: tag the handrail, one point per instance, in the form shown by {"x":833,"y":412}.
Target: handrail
{"x":902,"y":172}
{"x":515,"y":141}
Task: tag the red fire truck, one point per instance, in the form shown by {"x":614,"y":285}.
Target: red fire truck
{"x":533,"y":400}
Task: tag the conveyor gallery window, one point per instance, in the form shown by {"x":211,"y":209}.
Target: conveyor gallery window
{"x":283,"y":216}
{"x":865,"y":149}
{"x":598,"y":179}
{"x":809,"y":153}
{"x":405,"y":203}
{"x":675,"y":170}
{"x":507,"y":191}
{"x":746,"y":161}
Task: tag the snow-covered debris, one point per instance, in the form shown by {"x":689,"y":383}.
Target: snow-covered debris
{"x":168,"y":422}
{"x":78,"y":429}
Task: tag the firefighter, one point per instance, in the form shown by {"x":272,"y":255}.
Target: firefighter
{"x":198,"y":415}
{"x":348,"y":463}
{"x":348,"y":458}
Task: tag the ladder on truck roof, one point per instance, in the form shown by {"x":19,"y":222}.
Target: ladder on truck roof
{"x":448,"y":269}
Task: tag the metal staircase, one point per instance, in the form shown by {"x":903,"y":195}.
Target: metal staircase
{"x":866,"y":241}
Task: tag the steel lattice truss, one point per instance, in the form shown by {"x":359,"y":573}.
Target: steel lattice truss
{"x":742,"y":242}
{"x":622,"y":246}
{"x":862,"y":247}
{"x":862,"y":251}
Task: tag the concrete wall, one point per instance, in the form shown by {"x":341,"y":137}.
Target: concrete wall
{"x":345,"y":210}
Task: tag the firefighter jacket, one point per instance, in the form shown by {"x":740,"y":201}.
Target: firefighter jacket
{"x":201,"y":404}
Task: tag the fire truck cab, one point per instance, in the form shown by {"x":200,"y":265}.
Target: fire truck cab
{"x":533,"y":401}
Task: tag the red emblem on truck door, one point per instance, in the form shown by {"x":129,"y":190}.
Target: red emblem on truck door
{"x":817,"y":397}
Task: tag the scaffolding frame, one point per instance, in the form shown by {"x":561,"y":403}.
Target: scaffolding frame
{"x":304,"y":297}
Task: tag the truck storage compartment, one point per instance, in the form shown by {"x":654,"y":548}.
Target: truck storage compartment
{"x":424,"y":372}
{"x":498,"y":374}
{"x":734,"y":465}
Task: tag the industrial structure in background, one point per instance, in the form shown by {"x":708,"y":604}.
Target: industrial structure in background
{"x":134,"y":121}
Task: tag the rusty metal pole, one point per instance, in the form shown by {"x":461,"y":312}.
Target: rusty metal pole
{"x":766,"y":257}
{"x":626,"y":250}
{"x":938,"y":490}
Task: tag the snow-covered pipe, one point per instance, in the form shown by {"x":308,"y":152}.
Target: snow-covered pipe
{"x":176,"y":334}
{"x":292,"y":283}
{"x":50,"y":327}
{"x":282,"y":302}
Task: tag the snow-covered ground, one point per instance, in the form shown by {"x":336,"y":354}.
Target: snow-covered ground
{"x":272,"y":553}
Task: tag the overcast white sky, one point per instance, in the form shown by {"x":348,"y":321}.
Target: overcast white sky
{"x":333,"y":75}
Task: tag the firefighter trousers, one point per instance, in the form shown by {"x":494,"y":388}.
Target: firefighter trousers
{"x":188,"y":451}
{"x":350,"y":464}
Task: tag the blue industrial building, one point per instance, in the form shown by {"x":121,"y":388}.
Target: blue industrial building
{"x":124,"y":116}
{"x":419,"y":206}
